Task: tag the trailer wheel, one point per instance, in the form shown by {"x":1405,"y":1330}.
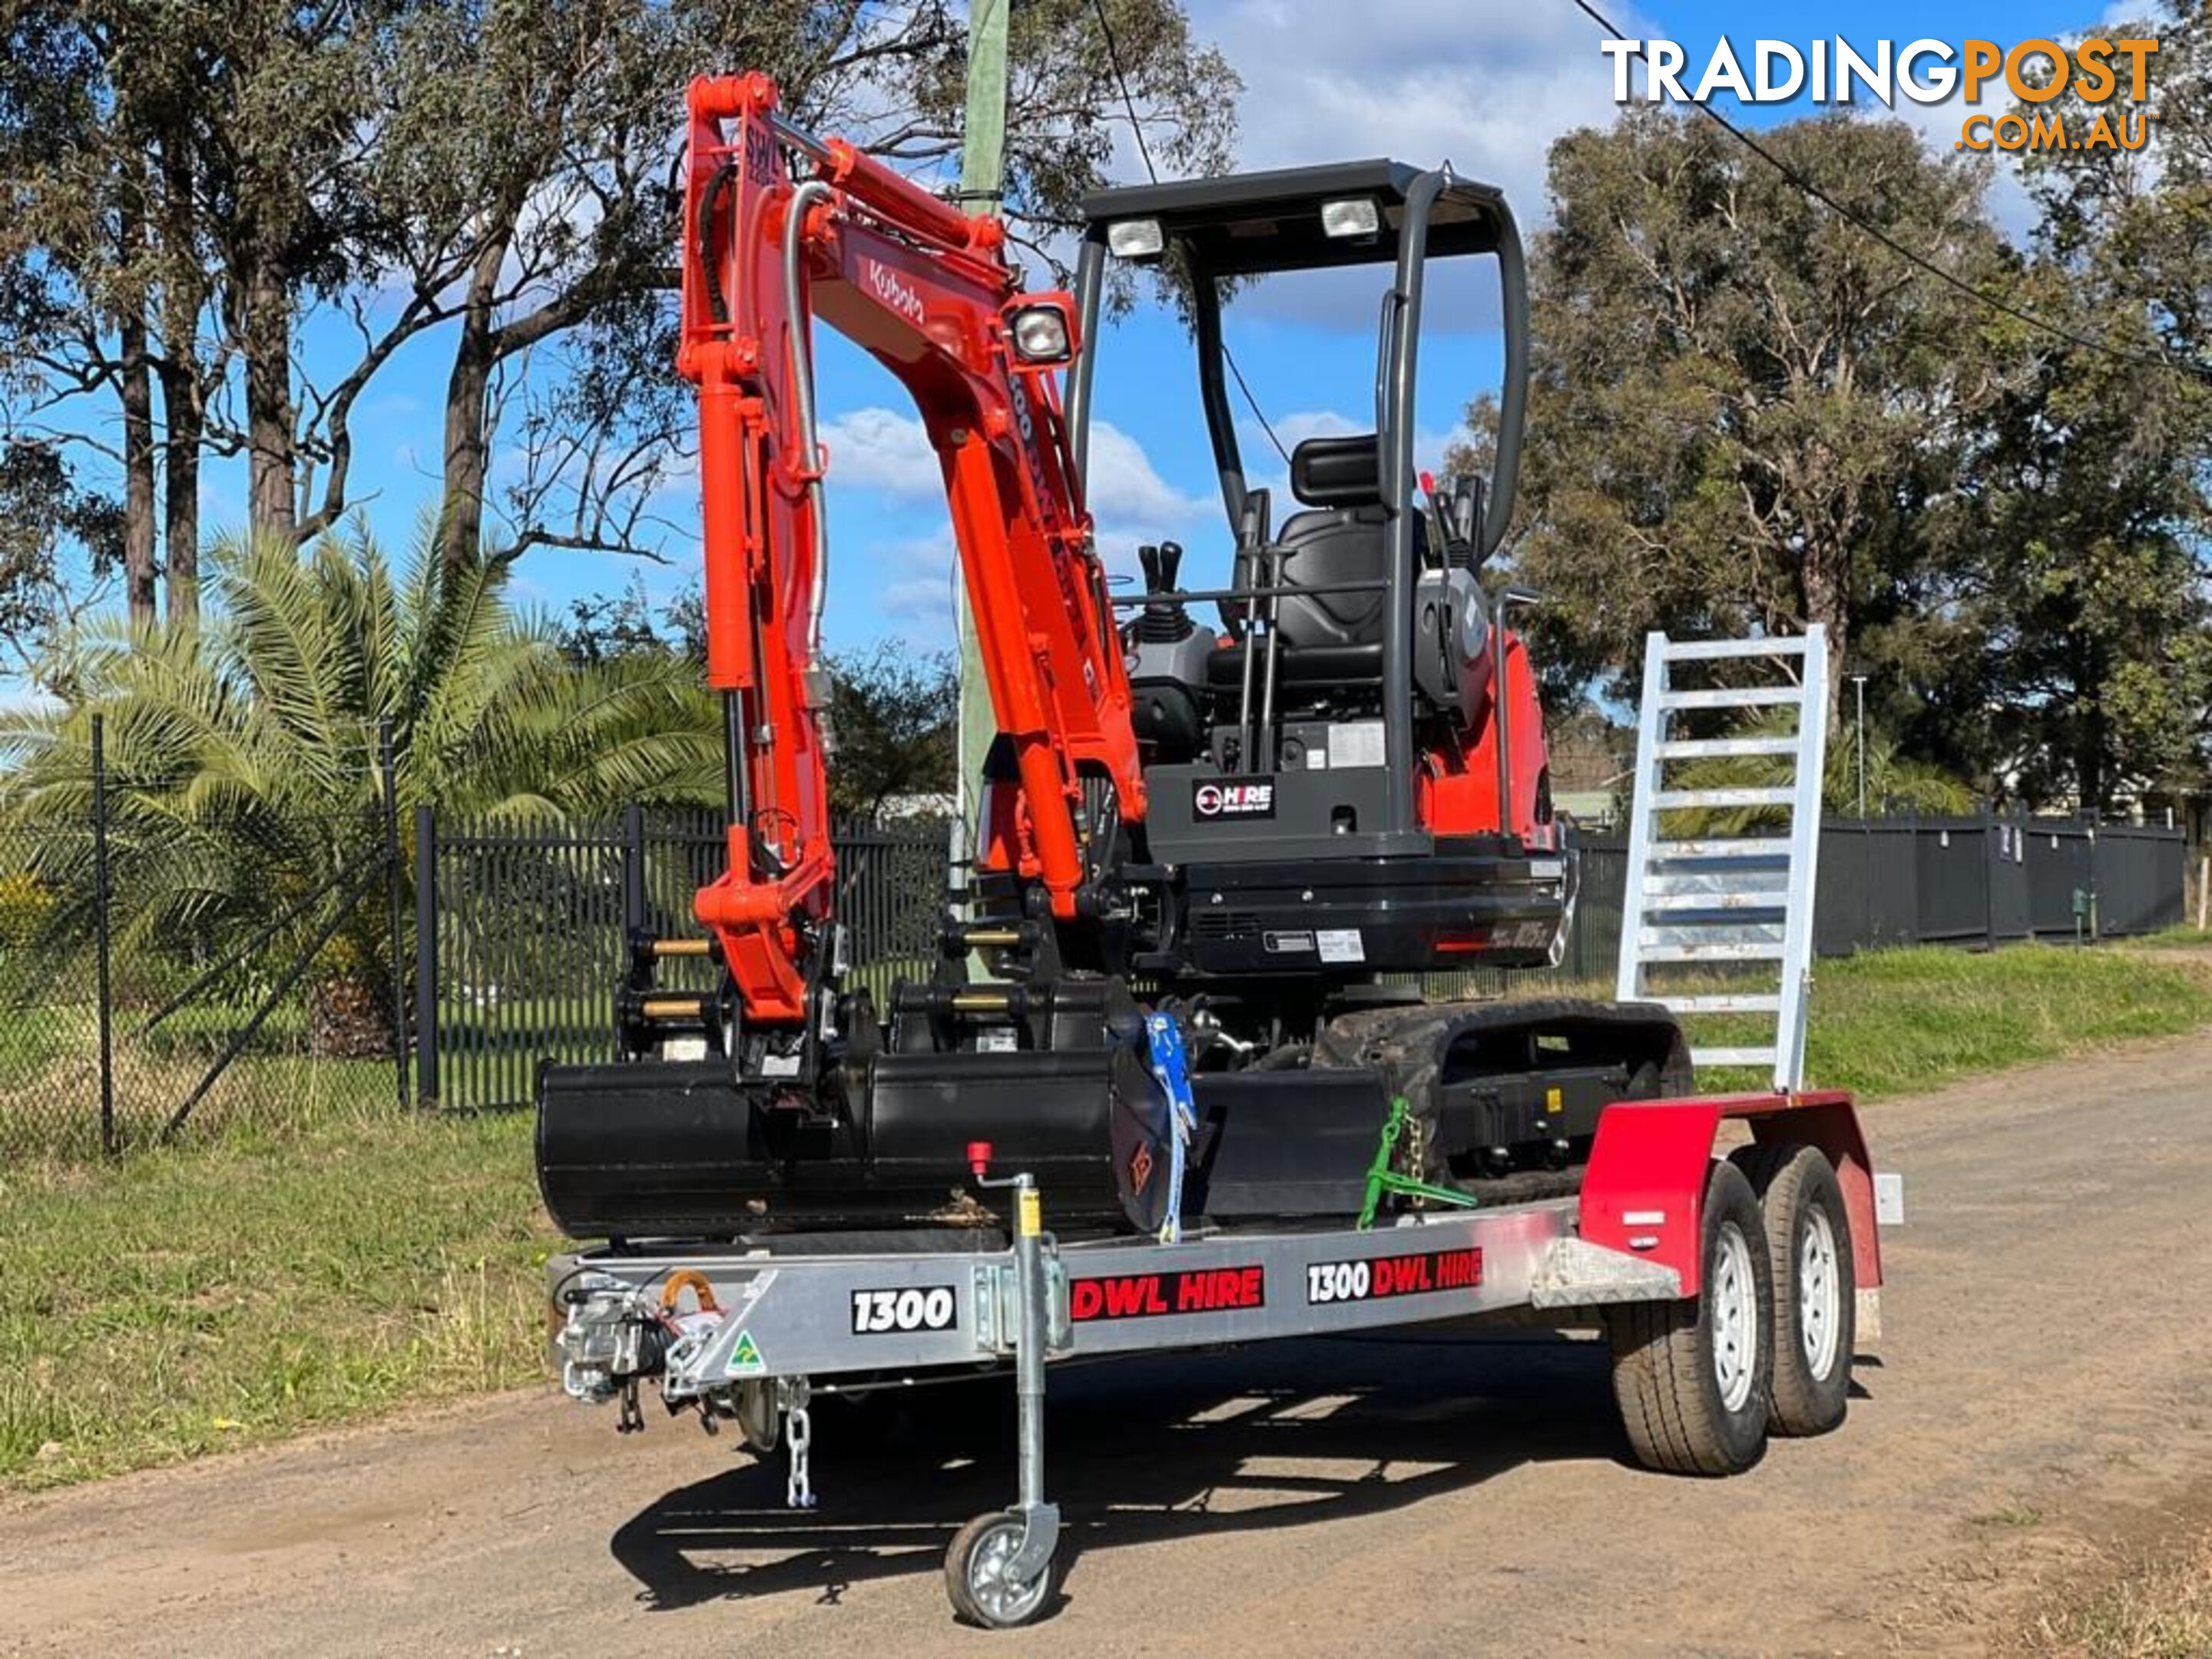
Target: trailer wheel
{"x":975,"y":1574}
{"x":1809,"y":1242}
{"x":1693,"y":1376}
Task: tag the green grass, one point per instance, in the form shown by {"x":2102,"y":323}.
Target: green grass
{"x":186,"y":1301}
{"x":337,"y":1261}
{"x":1902,"y":1021}
{"x":2182,"y":936}
{"x":2158,"y":1608}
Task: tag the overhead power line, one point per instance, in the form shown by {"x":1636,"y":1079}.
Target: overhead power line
{"x":1912,"y":257}
{"x":1137,"y":128}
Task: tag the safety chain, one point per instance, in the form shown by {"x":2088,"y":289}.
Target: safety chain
{"x":798,"y":1437}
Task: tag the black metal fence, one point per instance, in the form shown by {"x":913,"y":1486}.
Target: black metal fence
{"x":522,"y":932}
{"x":319,"y":983}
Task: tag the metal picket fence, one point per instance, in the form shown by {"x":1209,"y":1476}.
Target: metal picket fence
{"x":522,"y":932}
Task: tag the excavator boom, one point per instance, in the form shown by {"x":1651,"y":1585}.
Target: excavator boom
{"x":782,"y":230}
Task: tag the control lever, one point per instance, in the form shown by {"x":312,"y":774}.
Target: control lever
{"x":1455,"y":512}
{"x":1148,"y":558}
{"x":1252,"y":531}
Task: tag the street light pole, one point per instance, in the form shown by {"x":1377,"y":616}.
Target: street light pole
{"x":1858,"y":682}
{"x":982,"y":185}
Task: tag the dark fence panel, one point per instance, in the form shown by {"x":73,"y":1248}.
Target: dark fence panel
{"x":2058,"y":870}
{"x":2008,"y":907}
{"x":2138,"y":877}
{"x":524,"y":931}
{"x":1951,"y":870}
{"x":1870,"y":886}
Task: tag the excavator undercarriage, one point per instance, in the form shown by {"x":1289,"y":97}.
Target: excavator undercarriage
{"x":1214,"y":866}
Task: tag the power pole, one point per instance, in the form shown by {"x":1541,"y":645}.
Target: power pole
{"x":982,"y":186}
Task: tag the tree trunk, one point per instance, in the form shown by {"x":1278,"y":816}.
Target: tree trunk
{"x":184,"y":389}
{"x":266,"y":312}
{"x":1827,"y":602}
{"x":137,"y":394}
{"x":468,"y":390}
{"x":184,"y":414}
{"x":2089,"y":726}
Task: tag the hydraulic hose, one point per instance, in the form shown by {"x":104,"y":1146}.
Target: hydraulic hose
{"x":802,"y":376}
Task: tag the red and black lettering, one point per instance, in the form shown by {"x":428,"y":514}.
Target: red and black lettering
{"x":1375,"y":1277}
{"x":1152,"y":1295}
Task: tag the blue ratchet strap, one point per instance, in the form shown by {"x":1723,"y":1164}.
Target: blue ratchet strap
{"x":1170,"y":1067}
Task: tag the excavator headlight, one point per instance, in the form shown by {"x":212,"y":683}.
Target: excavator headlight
{"x":1040,"y":333}
{"x":1136,"y":238}
{"x":1356,"y":215}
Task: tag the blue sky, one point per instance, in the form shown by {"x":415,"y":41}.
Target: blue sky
{"x":1486,"y":85}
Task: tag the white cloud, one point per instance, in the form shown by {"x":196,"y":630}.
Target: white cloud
{"x":1489,"y":88}
{"x":1486,"y":88}
{"x":1125,"y":487}
{"x":881,"y":449}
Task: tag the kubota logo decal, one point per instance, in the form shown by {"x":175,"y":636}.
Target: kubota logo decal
{"x":1234,"y":798}
{"x":894,"y":290}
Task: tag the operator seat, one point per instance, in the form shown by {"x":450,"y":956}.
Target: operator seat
{"x":1326,"y":642}
{"x":1343,"y":537}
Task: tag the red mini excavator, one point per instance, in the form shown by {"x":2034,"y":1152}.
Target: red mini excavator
{"x":1214,"y":858}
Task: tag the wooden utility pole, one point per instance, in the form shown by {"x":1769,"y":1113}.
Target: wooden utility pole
{"x":982,"y":187}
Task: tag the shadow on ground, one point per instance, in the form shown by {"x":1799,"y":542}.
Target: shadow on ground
{"x":1286,"y":1434}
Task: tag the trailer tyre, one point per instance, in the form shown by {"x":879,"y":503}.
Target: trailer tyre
{"x":1693,"y":1376}
{"x":1808,"y":1243}
{"x":975,"y":1574}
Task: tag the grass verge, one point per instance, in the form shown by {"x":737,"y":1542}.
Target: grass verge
{"x":1901,"y":1022}
{"x":219,"y":1294}
{"x":264,"y":1280}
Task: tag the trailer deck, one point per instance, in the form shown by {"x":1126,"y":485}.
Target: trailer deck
{"x":749,"y":1330}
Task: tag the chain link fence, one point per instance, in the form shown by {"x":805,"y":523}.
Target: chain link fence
{"x":162,"y":971}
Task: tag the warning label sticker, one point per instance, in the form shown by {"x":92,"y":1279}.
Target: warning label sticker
{"x":1376,"y":1277}
{"x":1340,"y":944}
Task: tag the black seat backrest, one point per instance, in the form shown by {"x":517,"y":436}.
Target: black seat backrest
{"x":1343,"y":538}
{"x":1338,"y":472}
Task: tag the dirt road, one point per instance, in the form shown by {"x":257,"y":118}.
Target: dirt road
{"x":2043,"y":1391}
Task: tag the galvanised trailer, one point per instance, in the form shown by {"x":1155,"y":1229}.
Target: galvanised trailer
{"x":1734,"y":1290}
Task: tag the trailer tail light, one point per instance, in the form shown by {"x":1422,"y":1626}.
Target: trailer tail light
{"x":1463,"y":944}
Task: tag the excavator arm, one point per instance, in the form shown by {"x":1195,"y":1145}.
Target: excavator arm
{"x":782,"y":229}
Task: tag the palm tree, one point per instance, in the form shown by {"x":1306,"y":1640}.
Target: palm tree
{"x":243,"y":753}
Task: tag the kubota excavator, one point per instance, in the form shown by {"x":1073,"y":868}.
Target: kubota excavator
{"x":1263,"y":823}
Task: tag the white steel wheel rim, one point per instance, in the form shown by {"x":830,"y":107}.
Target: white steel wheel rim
{"x":1819,"y":1292}
{"x":1004,"y":1599}
{"x":1734,"y":1299}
